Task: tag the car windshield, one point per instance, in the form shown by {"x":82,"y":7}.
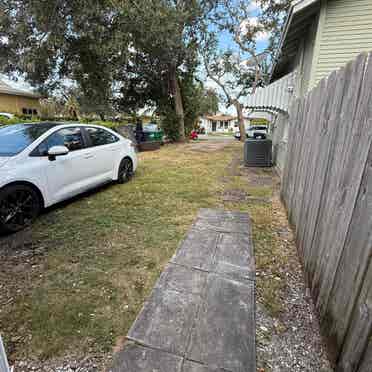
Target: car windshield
{"x":150,"y":128}
{"x":258,"y":128}
{"x":15,"y":138}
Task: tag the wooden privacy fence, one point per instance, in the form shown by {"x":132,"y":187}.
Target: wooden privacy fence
{"x":327,"y":189}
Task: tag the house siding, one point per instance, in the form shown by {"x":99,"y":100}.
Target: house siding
{"x":307,"y":58}
{"x":14,"y":104}
{"x":345,"y":33}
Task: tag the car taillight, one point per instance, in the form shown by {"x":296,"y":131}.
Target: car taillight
{"x":133,"y":145}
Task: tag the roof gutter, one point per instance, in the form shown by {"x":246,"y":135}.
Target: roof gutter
{"x":282,"y":39}
{"x":296,"y":7}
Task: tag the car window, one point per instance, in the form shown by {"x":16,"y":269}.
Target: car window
{"x":15,"y":138}
{"x":99,"y":136}
{"x":70,"y":137}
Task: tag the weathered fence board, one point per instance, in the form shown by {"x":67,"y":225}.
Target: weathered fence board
{"x":327,"y":189}
{"x":355,"y":259}
{"x":354,"y":148}
{"x":366,"y":363}
{"x":359,"y":334}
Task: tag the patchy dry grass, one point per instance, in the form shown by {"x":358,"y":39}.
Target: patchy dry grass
{"x":257,"y":183}
{"x":85,"y":267}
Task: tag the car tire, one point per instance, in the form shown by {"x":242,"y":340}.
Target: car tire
{"x":19,"y":207}
{"x":125,"y":170}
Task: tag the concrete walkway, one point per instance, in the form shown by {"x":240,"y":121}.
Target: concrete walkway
{"x":200,"y":315}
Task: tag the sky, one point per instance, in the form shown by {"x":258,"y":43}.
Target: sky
{"x":20,"y":84}
{"x":226,"y":42}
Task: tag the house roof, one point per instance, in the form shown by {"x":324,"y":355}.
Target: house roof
{"x":220,"y":117}
{"x":8,"y":89}
{"x":301,"y":15}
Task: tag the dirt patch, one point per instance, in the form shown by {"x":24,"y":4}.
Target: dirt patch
{"x":235,"y":195}
{"x":16,"y":243}
{"x":258,"y":176}
{"x":208,"y":146}
{"x":234,"y":166}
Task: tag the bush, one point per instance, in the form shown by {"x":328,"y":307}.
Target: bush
{"x":16,"y":120}
{"x":170,"y":125}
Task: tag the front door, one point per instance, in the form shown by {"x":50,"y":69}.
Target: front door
{"x":214,"y":126}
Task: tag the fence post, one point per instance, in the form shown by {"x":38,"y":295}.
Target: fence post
{"x":4,"y":366}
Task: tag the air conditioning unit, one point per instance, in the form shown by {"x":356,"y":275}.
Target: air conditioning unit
{"x":258,"y":153}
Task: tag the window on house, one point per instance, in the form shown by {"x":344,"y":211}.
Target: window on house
{"x":34,"y":112}
{"x":226,"y":124}
{"x":24,"y":111}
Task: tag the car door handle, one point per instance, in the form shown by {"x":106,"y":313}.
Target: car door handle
{"x":88,"y":156}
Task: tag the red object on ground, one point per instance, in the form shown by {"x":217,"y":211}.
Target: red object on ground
{"x":194,"y":135}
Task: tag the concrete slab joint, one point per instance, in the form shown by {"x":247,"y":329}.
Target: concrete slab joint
{"x":200,"y":316}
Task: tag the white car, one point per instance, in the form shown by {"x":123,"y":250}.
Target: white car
{"x":258,"y":131}
{"x":44,"y":163}
{"x":6,"y":115}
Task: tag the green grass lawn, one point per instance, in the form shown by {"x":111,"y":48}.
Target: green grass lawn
{"x":102,"y":253}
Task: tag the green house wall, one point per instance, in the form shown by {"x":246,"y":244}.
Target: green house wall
{"x":344,"y":31}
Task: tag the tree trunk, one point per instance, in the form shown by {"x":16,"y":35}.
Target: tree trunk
{"x":178,"y":105}
{"x":239,"y":111}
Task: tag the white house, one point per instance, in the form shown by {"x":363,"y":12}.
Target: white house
{"x":221,"y":123}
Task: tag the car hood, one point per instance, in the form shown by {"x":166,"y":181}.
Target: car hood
{"x":4,"y":160}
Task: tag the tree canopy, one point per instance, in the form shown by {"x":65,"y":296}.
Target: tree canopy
{"x":129,"y":54}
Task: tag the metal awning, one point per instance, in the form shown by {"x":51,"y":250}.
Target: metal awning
{"x":276,"y":97}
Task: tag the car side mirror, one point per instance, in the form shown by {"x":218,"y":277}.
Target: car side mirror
{"x":55,"y":151}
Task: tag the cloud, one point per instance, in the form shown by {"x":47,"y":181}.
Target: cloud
{"x":262,"y":36}
{"x":4,"y":40}
{"x":253,"y":23}
{"x":253,"y":5}
{"x":18,"y":82}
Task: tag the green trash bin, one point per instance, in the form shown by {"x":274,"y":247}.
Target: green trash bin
{"x":153,"y":133}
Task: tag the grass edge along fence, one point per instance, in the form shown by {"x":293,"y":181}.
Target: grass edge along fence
{"x":327,"y":190}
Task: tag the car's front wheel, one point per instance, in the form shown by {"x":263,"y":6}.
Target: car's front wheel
{"x":125,"y":170}
{"x":19,"y":207}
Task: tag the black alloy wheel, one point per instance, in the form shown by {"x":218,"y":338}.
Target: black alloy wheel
{"x":19,"y":207}
{"x":125,"y":170}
